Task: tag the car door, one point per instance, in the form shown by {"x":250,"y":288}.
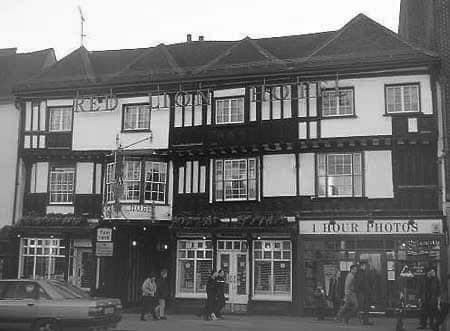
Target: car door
{"x":18,"y":305}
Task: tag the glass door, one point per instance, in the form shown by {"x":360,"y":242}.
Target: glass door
{"x":233,"y":260}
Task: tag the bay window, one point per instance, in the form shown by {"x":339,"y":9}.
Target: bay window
{"x":131,"y":180}
{"x":60,"y":119}
{"x":155,"y":181}
{"x":337,"y":103}
{"x":194,"y":265}
{"x":402,"y":98}
{"x":235,"y":179}
{"x":340,"y":175}
{"x":143,"y":181}
{"x":272,"y":269}
{"x":136,"y":117}
{"x":230,"y":110}
{"x":110,"y":181}
{"x":62,"y":181}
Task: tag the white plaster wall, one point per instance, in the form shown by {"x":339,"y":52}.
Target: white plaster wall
{"x":279,"y":178}
{"x":9,"y":132}
{"x":378,"y":174}
{"x":41,"y":177}
{"x":84,"y":178}
{"x":370,"y":106}
{"x":98,"y":130}
{"x":307,"y":173}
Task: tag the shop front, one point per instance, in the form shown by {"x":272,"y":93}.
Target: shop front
{"x":257,"y":264}
{"x":56,"y":247}
{"x":396,"y":251}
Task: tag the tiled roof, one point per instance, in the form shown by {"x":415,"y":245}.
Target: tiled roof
{"x":16,"y":67}
{"x":361,"y":41}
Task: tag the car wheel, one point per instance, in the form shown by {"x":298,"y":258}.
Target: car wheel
{"x":47,"y":325}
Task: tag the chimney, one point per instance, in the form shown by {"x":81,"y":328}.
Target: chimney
{"x":201,"y":38}
{"x":188,"y":37}
{"x":417,"y":22}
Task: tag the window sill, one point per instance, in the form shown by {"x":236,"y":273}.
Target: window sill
{"x":190,"y":295}
{"x":268,"y":297}
{"x":404,"y":114}
{"x":136,"y":131}
{"x":334,"y":117}
{"x":336,"y":198}
{"x":70,"y":204}
{"x":235,"y":200}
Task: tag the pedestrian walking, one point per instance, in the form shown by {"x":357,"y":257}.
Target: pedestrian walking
{"x":162,"y":293}
{"x":364,"y":290}
{"x":211,"y":296}
{"x":350,"y":306}
{"x":429,"y":295}
{"x":148,"y":296}
{"x":220,"y":296}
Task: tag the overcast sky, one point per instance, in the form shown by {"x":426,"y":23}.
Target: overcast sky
{"x":112,"y":24}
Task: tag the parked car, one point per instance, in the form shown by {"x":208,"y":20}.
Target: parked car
{"x":48,"y":305}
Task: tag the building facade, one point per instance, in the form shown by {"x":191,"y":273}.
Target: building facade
{"x":282,"y":161}
{"x":14,"y":67}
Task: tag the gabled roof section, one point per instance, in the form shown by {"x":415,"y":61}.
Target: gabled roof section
{"x":75,"y":68}
{"x":246,"y":51}
{"x":361,"y":43}
{"x":363,"y":37}
{"x":15,"y":67}
{"x":153,"y":61}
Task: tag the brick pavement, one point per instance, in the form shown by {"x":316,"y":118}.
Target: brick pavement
{"x":131,"y":322}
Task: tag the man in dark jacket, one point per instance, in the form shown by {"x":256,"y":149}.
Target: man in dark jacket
{"x":162,"y":293}
{"x":429,"y":294}
{"x":220,"y":297}
{"x":364,"y":291}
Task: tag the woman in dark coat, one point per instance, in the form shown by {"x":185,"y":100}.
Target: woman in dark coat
{"x":220,"y":284}
{"x":211,"y":296}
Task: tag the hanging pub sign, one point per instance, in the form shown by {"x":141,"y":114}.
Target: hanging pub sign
{"x":95,"y":103}
{"x":380,"y":226}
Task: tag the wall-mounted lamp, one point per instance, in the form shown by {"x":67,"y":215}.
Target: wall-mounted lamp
{"x":258,"y":238}
{"x":204,"y":237}
{"x":145,"y":228}
{"x":114,"y":228}
{"x":166,"y":247}
{"x":134,"y":243}
{"x":19,"y":235}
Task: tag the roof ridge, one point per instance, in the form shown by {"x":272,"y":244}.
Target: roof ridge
{"x":261,"y":50}
{"x":87,"y":64}
{"x":336,"y":35}
{"x":396,"y":36}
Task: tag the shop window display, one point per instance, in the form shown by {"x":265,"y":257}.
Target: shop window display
{"x":45,"y":258}
{"x":394,"y":266}
{"x":195,"y":262}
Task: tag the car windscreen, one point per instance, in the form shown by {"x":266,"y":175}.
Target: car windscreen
{"x":67,"y":291}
